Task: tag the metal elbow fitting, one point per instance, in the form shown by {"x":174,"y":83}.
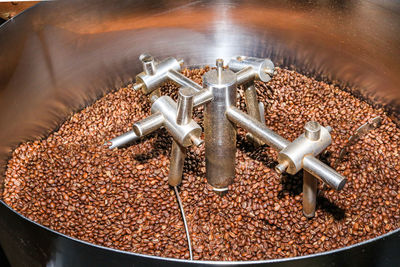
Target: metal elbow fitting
{"x":250,"y":68}
{"x":184,"y":134}
{"x":155,"y":73}
{"x":315,"y":139}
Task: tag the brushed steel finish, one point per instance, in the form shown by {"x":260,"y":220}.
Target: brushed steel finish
{"x":182,"y":133}
{"x":256,"y":128}
{"x":324,"y":173}
{"x":148,"y":64}
{"x":245,"y":75}
{"x":155,"y":74}
{"x":253,"y":109}
{"x":185,"y":106}
{"x":312,"y":130}
{"x":178,"y":153}
{"x":309,"y":194}
{"x":177,"y":159}
{"x":252,"y":102}
{"x":263,"y":68}
{"x":294,"y":152}
{"x":219,"y":132}
{"x":202,"y":97}
{"x":183,"y":81}
{"x":123,"y":139}
{"x":249,"y":69}
{"x":295,"y":149}
{"x":149,"y":124}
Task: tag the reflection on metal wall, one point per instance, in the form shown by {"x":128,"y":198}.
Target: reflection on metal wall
{"x":62,"y":55}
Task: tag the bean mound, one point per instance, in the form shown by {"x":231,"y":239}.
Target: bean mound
{"x":71,"y":183}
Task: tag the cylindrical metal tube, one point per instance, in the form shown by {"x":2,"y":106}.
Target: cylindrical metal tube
{"x":261,"y":108}
{"x":323,"y":172}
{"x":250,"y":94}
{"x":185,"y":106}
{"x":253,"y":109}
{"x":310,"y":163}
{"x":302,"y":146}
{"x":154,"y":95}
{"x":202,"y":97}
{"x":140,"y":128}
{"x":152,"y":82}
{"x":262,"y":68}
{"x":281,"y":167}
{"x":149,"y":124}
{"x":178,"y":154}
{"x":256,"y":128}
{"x":182,"y":80}
{"x":123,"y":139}
{"x":148,"y":64}
{"x":312,"y":130}
{"x":219,"y":132}
{"x":245,"y":75}
{"x":220,"y":67}
{"x":183,"y":134}
{"x":310,"y":184}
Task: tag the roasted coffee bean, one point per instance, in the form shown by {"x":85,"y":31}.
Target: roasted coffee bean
{"x":71,"y":183}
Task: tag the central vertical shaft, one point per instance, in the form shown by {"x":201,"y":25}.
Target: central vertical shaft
{"x":219,"y":132}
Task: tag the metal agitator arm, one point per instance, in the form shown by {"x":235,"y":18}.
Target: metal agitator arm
{"x":221,"y":116}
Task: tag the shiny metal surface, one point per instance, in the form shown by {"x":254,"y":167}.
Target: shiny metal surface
{"x":252,"y":107}
{"x":219,"y":132}
{"x":149,"y":124}
{"x":177,"y":159}
{"x":309,"y":194}
{"x":263,"y":68}
{"x":140,"y":129}
{"x":183,"y":81}
{"x":257,"y":128}
{"x":182,"y":133}
{"x":245,"y":75}
{"x":202,"y":97}
{"x":323,"y":172}
{"x":123,"y":139}
{"x":148,"y":64}
{"x":62,"y":55}
{"x":185,"y":105}
{"x":360,"y":132}
{"x":300,"y":154}
{"x":312,"y":130}
{"x":247,"y":70}
{"x":155,"y":74}
{"x":301,"y":151}
{"x":294,"y":152}
{"x":178,"y":153}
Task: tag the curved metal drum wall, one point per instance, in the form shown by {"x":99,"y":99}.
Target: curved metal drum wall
{"x":60,"y":56}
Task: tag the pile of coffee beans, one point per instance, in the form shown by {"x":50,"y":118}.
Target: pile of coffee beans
{"x":120,"y":198}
